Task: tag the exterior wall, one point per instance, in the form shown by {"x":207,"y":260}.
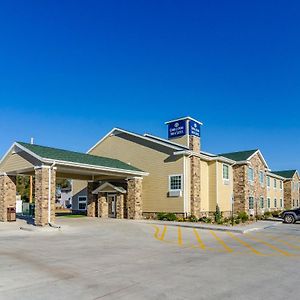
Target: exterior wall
{"x":157,"y":160}
{"x":291,"y":192}
{"x":243,"y":188}
{"x":15,"y":162}
{"x":225,"y":189}
{"x":7,"y":195}
{"x":42,"y":195}
{"x":183,"y":140}
{"x":204,"y":207}
{"x":195,"y":167}
{"x":79,"y":188}
{"x":134,"y":198}
{"x":274,"y":193}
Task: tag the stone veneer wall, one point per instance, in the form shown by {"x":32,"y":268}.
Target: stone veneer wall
{"x":195,"y":169}
{"x":288,"y":202}
{"x":7,"y":195}
{"x":243,"y":189}
{"x":134,"y":198}
{"x":42,"y":195}
{"x":102,"y":206}
{"x":120,"y":206}
{"x":91,"y":199}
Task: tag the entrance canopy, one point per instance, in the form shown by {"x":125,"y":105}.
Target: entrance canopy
{"x":23,"y":158}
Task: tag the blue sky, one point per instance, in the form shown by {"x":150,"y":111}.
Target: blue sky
{"x":72,"y":70}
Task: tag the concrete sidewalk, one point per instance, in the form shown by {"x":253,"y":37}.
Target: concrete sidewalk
{"x":259,"y":225}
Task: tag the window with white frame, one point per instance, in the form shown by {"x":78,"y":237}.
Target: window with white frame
{"x":281,"y":202}
{"x":250,"y":174}
{"x":281,"y":184}
{"x":262,"y":200}
{"x":251,"y":202}
{"x":175,"y":182}
{"x":82,"y":202}
{"x":268,"y":181}
{"x":275,"y":202}
{"x":261,"y":177}
{"x":275,"y":183}
{"x":225,"y":172}
{"x":269,"y":202}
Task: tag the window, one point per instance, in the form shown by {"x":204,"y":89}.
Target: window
{"x":268,"y":181}
{"x":275,"y":183}
{"x":250,"y":174}
{"x":251,"y":203}
{"x":175,"y":182}
{"x":82,"y":203}
{"x":261,"y":177}
{"x":297,"y":203}
{"x":262,"y":202}
{"x":269,"y":202}
{"x":281,"y":203}
{"x":293,"y":202}
{"x":275,"y":202}
{"x":225,"y":172}
{"x":281,"y":184}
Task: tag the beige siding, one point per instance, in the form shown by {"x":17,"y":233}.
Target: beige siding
{"x":183,"y":140}
{"x":274,"y":193}
{"x":212,"y":187}
{"x":15,"y":162}
{"x":204,"y":186}
{"x":158,"y":163}
{"x":225,"y":189}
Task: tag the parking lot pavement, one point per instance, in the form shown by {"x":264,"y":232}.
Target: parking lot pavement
{"x":118,"y":259}
{"x":266,"y":243}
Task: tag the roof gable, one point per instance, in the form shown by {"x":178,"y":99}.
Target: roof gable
{"x":288,"y":174}
{"x":239,"y":155}
{"x":76,"y":157}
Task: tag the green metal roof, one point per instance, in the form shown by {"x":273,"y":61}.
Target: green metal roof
{"x":77,"y":157}
{"x":286,"y":173}
{"x":240,"y":155}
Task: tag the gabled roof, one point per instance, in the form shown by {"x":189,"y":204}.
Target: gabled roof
{"x":288,"y":174}
{"x":108,"y":187}
{"x":55,"y":154}
{"x":240,"y":155}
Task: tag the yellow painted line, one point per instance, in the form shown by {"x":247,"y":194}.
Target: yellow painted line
{"x":156,"y":233}
{"x":162,"y":237}
{"x":278,"y":239}
{"x":179,"y":237}
{"x":221,"y":242}
{"x":199,"y":240}
{"x":245,"y":244}
{"x":285,"y":253}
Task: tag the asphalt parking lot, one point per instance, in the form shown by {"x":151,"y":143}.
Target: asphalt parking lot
{"x":120,"y":259}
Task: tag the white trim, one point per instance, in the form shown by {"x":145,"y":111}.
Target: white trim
{"x":225,"y":179}
{"x":165,"y":141}
{"x":261,"y":156}
{"x":81,"y":201}
{"x":175,"y":190}
{"x":184,"y":118}
{"x":104,"y":185}
{"x":115,"y":130}
{"x":7,"y":152}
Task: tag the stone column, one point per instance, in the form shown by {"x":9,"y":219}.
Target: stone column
{"x":7,"y":194}
{"x":134,"y":198}
{"x":195,"y":186}
{"x":120,"y":206}
{"x":91,"y":199}
{"x":102,"y":206}
{"x":42,"y":195}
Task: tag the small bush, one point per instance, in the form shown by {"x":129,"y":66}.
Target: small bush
{"x":192,"y":218}
{"x":205,"y":220}
{"x":218,"y":214}
{"x":237,"y":221}
{"x":166,"y":216}
{"x":243,"y":217}
{"x":267,"y":214}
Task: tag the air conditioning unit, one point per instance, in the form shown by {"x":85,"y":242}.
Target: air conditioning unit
{"x":175,"y":193}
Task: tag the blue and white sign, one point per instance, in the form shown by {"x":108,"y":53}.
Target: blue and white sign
{"x":177,"y":129}
{"x":194,"y":128}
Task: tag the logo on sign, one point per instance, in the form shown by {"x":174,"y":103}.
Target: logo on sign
{"x":177,"y":129}
{"x":194,"y":128}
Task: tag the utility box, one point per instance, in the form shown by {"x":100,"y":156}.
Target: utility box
{"x":11,"y":214}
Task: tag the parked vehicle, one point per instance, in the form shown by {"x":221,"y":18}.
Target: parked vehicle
{"x":291,"y":216}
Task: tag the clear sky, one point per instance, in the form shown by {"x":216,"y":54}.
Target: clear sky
{"x":72,"y":70}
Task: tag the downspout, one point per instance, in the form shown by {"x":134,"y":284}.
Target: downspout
{"x":49,"y":193}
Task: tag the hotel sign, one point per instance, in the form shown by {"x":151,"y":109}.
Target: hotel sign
{"x":194,"y":128}
{"x":177,"y":129}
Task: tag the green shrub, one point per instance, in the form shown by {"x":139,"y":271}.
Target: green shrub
{"x":243,"y":216}
{"x":237,"y":221}
{"x":166,"y":216}
{"x":218,"y":214}
{"x":205,"y":220}
{"x":192,"y":218}
{"x":267,"y":214}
